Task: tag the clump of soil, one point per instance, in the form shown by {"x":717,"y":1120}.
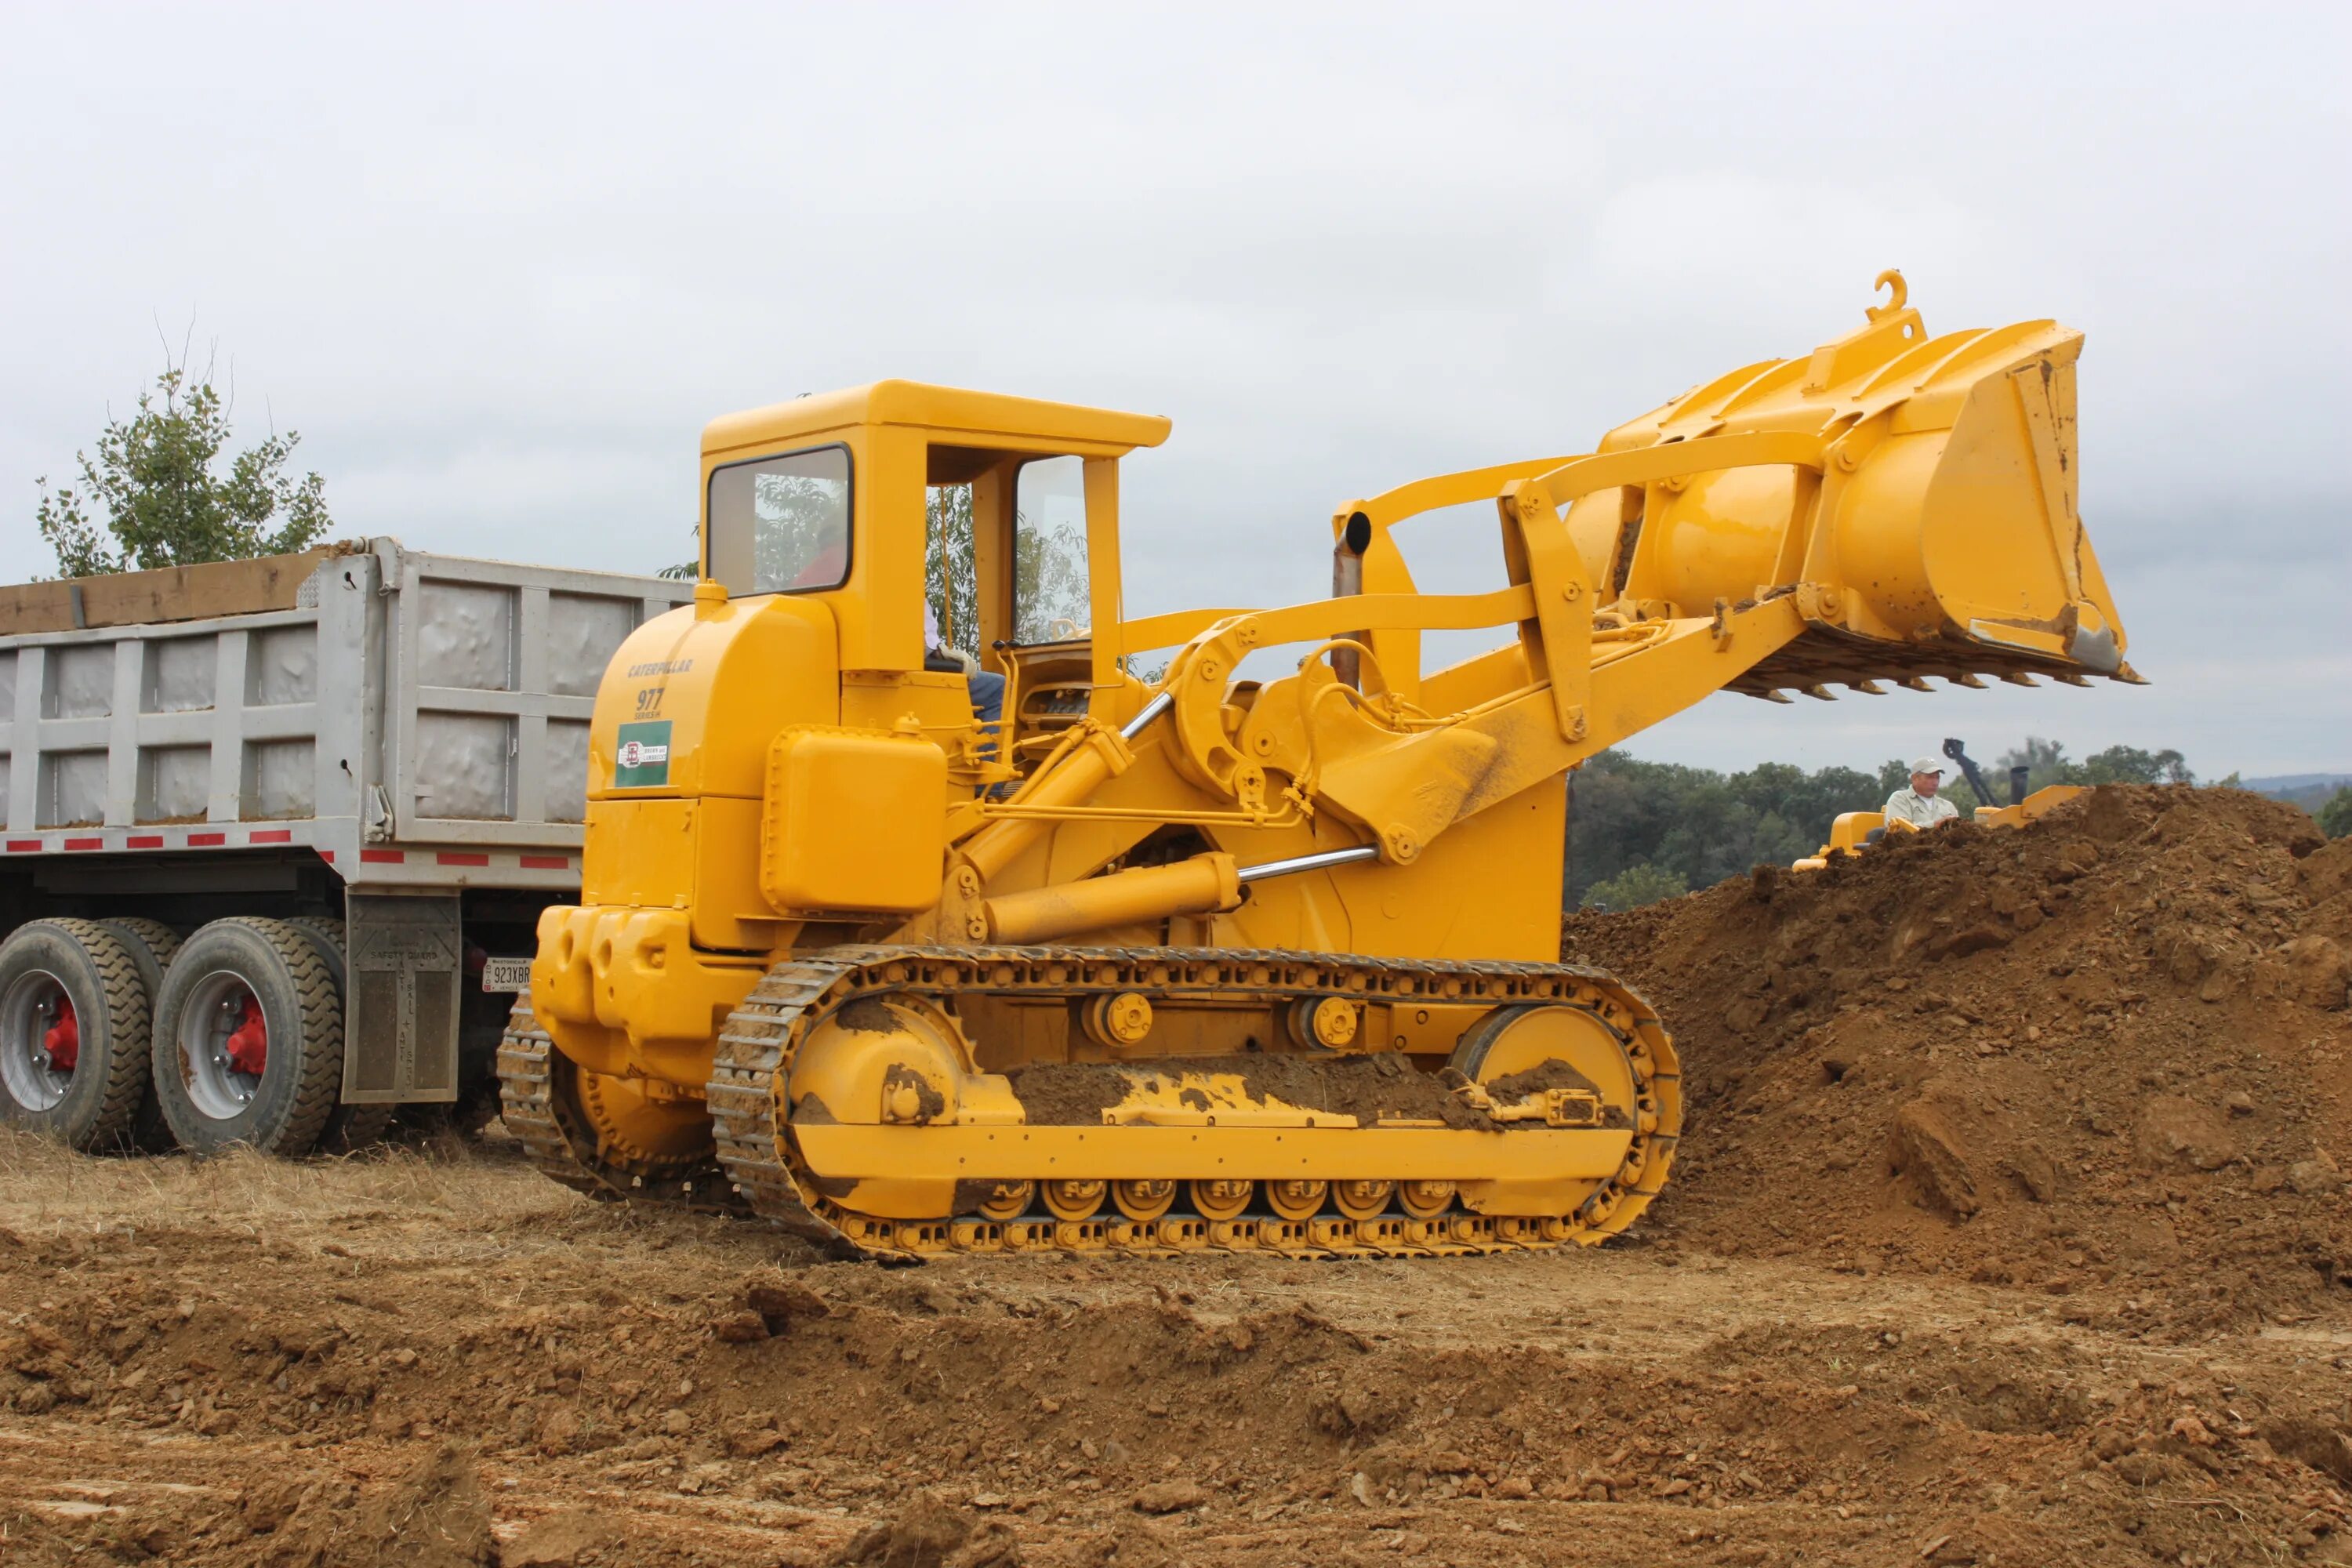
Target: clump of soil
{"x":2109,"y":1050}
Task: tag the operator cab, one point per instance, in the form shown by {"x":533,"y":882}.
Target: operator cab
{"x":876,"y":500}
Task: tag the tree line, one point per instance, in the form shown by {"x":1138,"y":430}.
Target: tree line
{"x":1641,"y":831}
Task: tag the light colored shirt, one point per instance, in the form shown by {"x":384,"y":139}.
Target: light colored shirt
{"x":1908,"y":805}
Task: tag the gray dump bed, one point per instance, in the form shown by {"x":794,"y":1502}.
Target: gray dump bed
{"x":415,"y":720}
{"x":390,"y":745}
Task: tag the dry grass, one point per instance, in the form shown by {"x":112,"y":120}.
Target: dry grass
{"x":47,"y":1188}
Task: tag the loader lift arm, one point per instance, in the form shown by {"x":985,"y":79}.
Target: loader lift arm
{"x":1610,"y":641}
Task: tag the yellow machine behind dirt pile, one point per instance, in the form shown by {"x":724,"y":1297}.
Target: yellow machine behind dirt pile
{"x":1201,"y":961}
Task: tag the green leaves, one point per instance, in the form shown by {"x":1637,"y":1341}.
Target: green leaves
{"x":154,"y":494}
{"x":1635,"y":885}
{"x":2335,"y":816}
{"x":1049,"y":573}
{"x":1639,"y":831}
{"x":950,"y":580}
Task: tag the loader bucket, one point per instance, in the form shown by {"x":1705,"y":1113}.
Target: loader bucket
{"x":1938,"y":534}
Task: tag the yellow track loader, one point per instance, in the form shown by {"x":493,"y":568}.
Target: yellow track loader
{"x":1197,"y":961}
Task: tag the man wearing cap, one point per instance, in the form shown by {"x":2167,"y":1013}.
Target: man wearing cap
{"x":1922,"y":805}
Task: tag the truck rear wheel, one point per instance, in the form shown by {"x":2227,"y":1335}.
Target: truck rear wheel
{"x":248,"y":1039}
{"x":73,"y":1033}
{"x":350,"y":1128}
{"x":150,"y":944}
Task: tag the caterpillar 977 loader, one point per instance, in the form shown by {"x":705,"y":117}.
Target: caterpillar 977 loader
{"x":1201,"y":961}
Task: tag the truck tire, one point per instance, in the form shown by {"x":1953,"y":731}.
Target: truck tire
{"x":152,"y":944}
{"x":350,"y":1128}
{"x":73,"y":1033}
{"x":248,"y":1039}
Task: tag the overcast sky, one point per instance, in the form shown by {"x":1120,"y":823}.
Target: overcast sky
{"x":499,"y":265}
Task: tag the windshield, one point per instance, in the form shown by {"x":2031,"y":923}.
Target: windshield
{"x":781,"y":524}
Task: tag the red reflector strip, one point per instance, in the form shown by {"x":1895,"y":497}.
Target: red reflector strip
{"x":85,"y":843}
{"x":270,"y":836}
{"x":144,"y":841}
{"x":547,"y":862}
{"x":206,"y":840}
{"x":382,"y":857}
{"x":24,"y":846}
{"x":456,"y":858}
{"x":328,"y":855}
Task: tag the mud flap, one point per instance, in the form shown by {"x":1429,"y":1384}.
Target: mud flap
{"x":407,"y":955}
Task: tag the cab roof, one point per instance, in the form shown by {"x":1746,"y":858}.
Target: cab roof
{"x":965,"y":416}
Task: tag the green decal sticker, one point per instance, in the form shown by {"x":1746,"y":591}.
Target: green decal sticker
{"x":643,"y":761}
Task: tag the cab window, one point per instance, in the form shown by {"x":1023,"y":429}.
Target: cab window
{"x":781,"y":524}
{"x":1049,"y":551}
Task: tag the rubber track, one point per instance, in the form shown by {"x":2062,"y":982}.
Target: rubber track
{"x":130,"y":1032}
{"x":753,"y":1052}
{"x":319,"y":1086}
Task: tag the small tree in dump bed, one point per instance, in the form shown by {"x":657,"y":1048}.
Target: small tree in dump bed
{"x":153,"y":495}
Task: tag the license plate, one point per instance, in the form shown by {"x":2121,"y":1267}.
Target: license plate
{"x":506,"y":973}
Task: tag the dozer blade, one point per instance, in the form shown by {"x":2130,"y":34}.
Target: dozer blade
{"x":1940,"y":536}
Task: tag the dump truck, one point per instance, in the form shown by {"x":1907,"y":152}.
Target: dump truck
{"x":1202,"y":960}
{"x":280,"y":833}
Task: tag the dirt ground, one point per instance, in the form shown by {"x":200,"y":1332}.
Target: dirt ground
{"x":2000,"y":1238}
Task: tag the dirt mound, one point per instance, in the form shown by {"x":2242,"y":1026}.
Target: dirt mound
{"x":404,"y":1361}
{"x":2109,"y":1054}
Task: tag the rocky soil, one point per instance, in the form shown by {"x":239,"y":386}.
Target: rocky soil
{"x":2009,"y":1229}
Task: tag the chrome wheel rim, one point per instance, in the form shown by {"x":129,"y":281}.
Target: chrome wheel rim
{"x":30,"y":1008}
{"x":217,"y":1006}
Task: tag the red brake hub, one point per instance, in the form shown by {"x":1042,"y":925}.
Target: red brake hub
{"x":248,"y":1043}
{"x":62,"y":1039}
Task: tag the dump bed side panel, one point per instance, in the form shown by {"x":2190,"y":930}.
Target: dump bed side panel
{"x":412,"y":717}
{"x":494,"y":680}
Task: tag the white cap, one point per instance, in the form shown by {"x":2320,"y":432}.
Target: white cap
{"x":1927,"y":765}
